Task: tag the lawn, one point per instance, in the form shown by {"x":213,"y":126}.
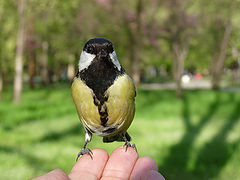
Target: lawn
{"x":194,"y":138}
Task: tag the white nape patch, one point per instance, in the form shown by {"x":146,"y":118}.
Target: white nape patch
{"x":85,"y":60}
{"x":114,"y":59}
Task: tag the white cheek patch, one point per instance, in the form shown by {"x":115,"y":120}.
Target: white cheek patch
{"x":85,"y":60}
{"x":114,"y":59}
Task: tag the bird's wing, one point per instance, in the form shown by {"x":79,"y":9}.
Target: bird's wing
{"x":83,"y":99}
{"x":120,"y":103}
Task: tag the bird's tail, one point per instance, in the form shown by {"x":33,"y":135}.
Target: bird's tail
{"x":117,"y":137}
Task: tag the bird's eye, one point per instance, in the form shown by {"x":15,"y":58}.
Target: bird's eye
{"x":90,"y":49}
{"x":110,"y":48}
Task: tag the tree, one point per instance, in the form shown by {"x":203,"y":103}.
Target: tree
{"x":1,"y":84}
{"x":218,"y":61}
{"x":19,"y":54}
{"x":224,"y":25}
{"x":137,"y":43}
{"x":178,"y":31}
{"x":7,"y":40}
{"x":44,"y":64}
{"x":1,"y":74}
{"x":31,"y":52}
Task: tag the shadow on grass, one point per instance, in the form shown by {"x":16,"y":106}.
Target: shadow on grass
{"x":76,"y":130}
{"x":216,"y":153}
{"x":159,"y":103}
{"x":30,"y":160}
{"x":147,"y":99}
{"x":39,"y":104}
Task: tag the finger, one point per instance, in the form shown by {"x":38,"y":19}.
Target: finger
{"x":90,"y":168}
{"x":53,"y":175}
{"x":120,"y":163}
{"x":142,"y":166}
{"x":153,"y":175}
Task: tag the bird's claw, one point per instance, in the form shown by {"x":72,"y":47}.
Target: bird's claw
{"x":134,"y":147}
{"x":85,"y":151}
{"x":127,"y":144}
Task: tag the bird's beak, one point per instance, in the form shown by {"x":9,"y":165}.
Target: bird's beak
{"x":102,"y":54}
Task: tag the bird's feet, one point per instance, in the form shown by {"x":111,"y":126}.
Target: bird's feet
{"x":127,"y":144}
{"x":85,"y":151}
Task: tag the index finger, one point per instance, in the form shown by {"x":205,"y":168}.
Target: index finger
{"x":90,"y":168}
{"x":120,"y":163}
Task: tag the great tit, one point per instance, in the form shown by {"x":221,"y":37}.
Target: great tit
{"x":104,"y":94}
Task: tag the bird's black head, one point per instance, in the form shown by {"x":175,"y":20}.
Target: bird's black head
{"x":98,"y":51}
{"x":100,"y":47}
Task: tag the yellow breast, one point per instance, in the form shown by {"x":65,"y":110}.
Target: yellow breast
{"x":120,"y":106}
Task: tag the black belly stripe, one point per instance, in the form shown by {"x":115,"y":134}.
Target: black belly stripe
{"x":102,"y":110}
{"x":99,"y":76}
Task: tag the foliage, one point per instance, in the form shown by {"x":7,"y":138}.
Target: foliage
{"x":66,"y":25}
{"x":8,"y":16}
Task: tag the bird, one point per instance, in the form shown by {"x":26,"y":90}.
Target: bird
{"x":104,"y":94}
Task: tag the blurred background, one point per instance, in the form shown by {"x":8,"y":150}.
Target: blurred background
{"x":183,"y":55}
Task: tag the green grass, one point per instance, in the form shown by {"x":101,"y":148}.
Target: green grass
{"x":196,"y":137}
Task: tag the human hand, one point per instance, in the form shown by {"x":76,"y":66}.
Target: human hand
{"x":120,"y":165}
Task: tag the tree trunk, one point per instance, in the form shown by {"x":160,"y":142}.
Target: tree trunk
{"x":137,"y":44}
{"x":31,"y":70}
{"x":19,"y":54}
{"x":44,"y":64}
{"x":218,"y":62}
{"x":179,"y":55}
{"x":234,"y":76}
{"x":31,"y":54}
{"x":1,"y":85}
{"x":136,"y":68}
